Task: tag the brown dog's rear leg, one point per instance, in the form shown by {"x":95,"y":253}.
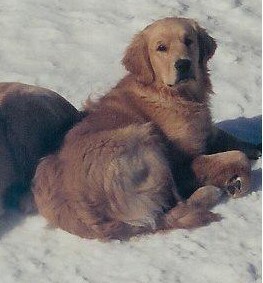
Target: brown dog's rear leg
{"x":195,"y":211}
{"x":186,"y":215}
{"x":205,"y":198}
{"x":227,"y":170}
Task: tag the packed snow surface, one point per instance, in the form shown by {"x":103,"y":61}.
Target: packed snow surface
{"x":75,"y":48}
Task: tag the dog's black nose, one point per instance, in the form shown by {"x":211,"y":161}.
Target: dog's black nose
{"x":183,"y":65}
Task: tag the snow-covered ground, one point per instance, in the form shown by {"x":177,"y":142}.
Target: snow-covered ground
{"x":75,"y":48}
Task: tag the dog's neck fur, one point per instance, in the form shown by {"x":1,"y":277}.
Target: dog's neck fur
{"x":182,"y":113}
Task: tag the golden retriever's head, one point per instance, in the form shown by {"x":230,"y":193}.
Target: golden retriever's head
{"x":171,"y":51}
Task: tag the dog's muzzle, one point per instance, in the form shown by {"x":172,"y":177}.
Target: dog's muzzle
{"x":184,"y":70}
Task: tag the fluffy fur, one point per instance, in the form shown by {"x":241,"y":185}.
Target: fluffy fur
{"x":33,"y":121}
{"x":136,"y":163}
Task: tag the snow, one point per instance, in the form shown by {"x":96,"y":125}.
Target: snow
{"x":75,"y":48}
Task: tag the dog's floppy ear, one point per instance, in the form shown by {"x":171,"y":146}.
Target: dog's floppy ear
{"x":136,"y":60}
{"x":207,"y":44}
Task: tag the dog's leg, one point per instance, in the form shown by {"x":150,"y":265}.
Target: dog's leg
{"x":194,"y":212}
{"x":229,"y":171}
{"x":185,"y":215}
{"x":221,"y":141}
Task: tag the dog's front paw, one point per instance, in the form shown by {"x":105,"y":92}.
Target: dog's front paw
{"x":237,"y":186}
{"x":228,"y":170}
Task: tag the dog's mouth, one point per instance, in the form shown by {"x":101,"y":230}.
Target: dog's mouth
{"x":183,"y":78}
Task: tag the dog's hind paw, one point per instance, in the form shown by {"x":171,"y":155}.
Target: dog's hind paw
{"x":206,"y":197}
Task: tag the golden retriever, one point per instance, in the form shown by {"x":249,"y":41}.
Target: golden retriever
{"x":33,"y":121}
{"x":136,"y":163}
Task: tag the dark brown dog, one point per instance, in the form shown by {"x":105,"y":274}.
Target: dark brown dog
{"x":33,"y":121}
{"x":125,"y":168}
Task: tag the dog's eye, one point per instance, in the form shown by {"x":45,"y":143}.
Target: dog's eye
{"x":188,"y":41}
{"x":162,"y":48}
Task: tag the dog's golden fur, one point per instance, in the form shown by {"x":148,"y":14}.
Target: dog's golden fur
{"x":128,"y":167}
{"x":33,"y":120}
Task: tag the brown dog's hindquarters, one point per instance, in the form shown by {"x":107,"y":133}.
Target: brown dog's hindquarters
{"x":133,"y":185}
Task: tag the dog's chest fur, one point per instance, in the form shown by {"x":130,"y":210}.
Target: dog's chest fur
{"x":186,"y":124}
